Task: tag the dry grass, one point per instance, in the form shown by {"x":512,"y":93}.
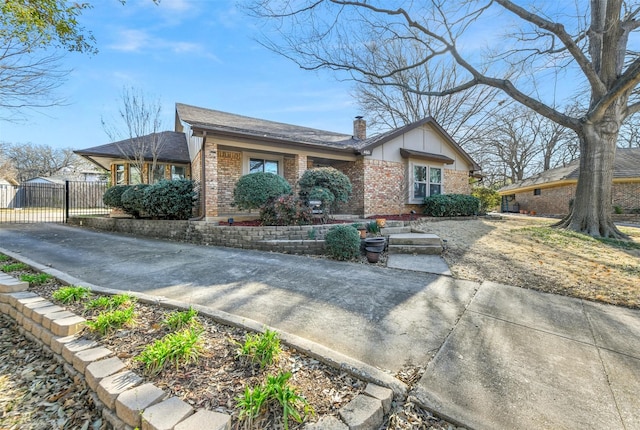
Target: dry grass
{"x":526,"y":252}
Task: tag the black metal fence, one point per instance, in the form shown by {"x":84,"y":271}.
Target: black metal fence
{"x":51,"y":202}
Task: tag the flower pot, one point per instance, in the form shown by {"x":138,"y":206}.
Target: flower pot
{"x":363,"y":233}
{"x":381,"y":222}
{"x":373,"y":257}
{"x":532,"y":213}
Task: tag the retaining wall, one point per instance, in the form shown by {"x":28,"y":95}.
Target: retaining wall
{"x":286,"y":239}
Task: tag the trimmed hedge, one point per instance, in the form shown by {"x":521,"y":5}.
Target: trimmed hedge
{"x":166,"y":199}
{"x":342,"y":242}
{"x":254,"y":190}
{"x":285,"y":210}
{"x":170,"y":199}
{"x":324,"y":182}
{"x":449,"y":205}
{"x":133,"y":199}
{"x":113,"y":196}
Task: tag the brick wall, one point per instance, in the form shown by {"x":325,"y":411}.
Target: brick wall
{"x":385,"y":187}
{"x":196,"y":176}
{"x":551,"y":201}
{"x":211,"y":178}
{"x":555,"y":201}
{"x":355,"y":173}
{"x":456,"y":182}
{"x":229,"y":171}
{"x":626,"y":195}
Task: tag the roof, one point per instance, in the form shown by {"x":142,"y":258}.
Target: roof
{"x":173,"y":149}
{"x":626,"y":165}
{"x":239,"y":125}
{"x":243,"y":126}
{"x":408,"y":153}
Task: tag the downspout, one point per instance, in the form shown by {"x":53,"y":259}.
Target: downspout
{"x":203,"y":194}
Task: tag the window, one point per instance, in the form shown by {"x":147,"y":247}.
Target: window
{"x":537,"y":192}
{"x":156,"y":174}
{"x":419,"y":182}
{"x":258,"y":165}
{"x":427,"y":181}
{"x":135,"y":176}
{"x":120,"y":176}
{"x":178,"y":172}
{"x":435,"y":181}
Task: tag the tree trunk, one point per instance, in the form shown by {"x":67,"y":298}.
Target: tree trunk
{"x":591,"y":210}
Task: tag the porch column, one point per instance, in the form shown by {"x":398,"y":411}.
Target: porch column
{"x":210,"y":178}
{"x":300,"y":166}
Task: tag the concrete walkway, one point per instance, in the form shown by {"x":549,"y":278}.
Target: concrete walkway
{"x":497,"y":357}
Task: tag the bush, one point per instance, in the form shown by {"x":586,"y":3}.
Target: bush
{"x":285,"y":210}
{"x":343,"y":242}
{"x":113,"y":196}
{"x":254,"y":190}
{"x":169,"y":199}
{"x":133,"y":199}
{"x":322,"y":183}
{"x":489,"y":198}
{"x":451,"y":205}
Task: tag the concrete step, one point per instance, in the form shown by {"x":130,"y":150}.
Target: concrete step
{"x":415,"y":249}
{"x":394,"y":230}
{"x":392,"y":223}
{"x":415,"y":239}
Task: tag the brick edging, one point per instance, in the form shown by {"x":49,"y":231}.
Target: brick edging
{"x":124,"y":400}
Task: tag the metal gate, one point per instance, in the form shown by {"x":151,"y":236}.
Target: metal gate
{"x":51,"y":202}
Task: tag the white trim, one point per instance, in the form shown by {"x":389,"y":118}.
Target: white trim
{"x":246,"y":156}
{"x":410,"y":176}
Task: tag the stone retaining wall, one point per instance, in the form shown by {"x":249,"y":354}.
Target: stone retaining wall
{"x":287,"y":239}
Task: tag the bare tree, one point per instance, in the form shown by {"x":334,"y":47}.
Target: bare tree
{"x":139,"y":135}
{"x":463,"y":115}
{"x":7,"y":169}
{"x":583,"y":42}
{"x":30,"y":160}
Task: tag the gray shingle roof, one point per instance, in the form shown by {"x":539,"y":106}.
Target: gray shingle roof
{"x":214,"y":120}
{"x":174,"y":148}
{"x":626,"y":165}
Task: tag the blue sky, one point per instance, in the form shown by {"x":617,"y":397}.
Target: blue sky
{"x":197,"y":52}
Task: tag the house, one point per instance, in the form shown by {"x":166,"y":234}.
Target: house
{"x":390,"y":173}
{"x":551,"y":191}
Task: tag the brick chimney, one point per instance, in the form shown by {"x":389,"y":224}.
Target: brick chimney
{"x":359,"y":128}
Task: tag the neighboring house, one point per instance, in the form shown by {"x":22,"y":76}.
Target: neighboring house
{"x":551,"y":191}
{"x":390,"y":173}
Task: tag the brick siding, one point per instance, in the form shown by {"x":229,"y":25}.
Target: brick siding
{"x":555,"y":200}
{"x":229,"y":171}
{"x":456,"y":182}
{"x":385,"y":187}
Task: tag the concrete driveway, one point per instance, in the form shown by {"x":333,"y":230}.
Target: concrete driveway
{"x":383,"y":317}
{"x":496,"y":357}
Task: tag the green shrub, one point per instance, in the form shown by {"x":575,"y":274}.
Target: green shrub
{"x":37,"y":279}
{"x":285,"y":210}
{"x":451,"y":205}
{"x":256,"y":400}
{"x":178,"y":348}
{"x":180,"y":319}
{"x":8,"y":268}
{"x":170,"y":199}
{"x":327,"y":184}
{"x":618,"y":210}
{"x":261,"y":348}
{"x":71,"y":294}
{"x":113,"y":196}
{"x":254,"y":190}
{"x":110,"y":321}
{"x":489,"y":198}
{"x":133,"y":199}
{"x":343,"y":242}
